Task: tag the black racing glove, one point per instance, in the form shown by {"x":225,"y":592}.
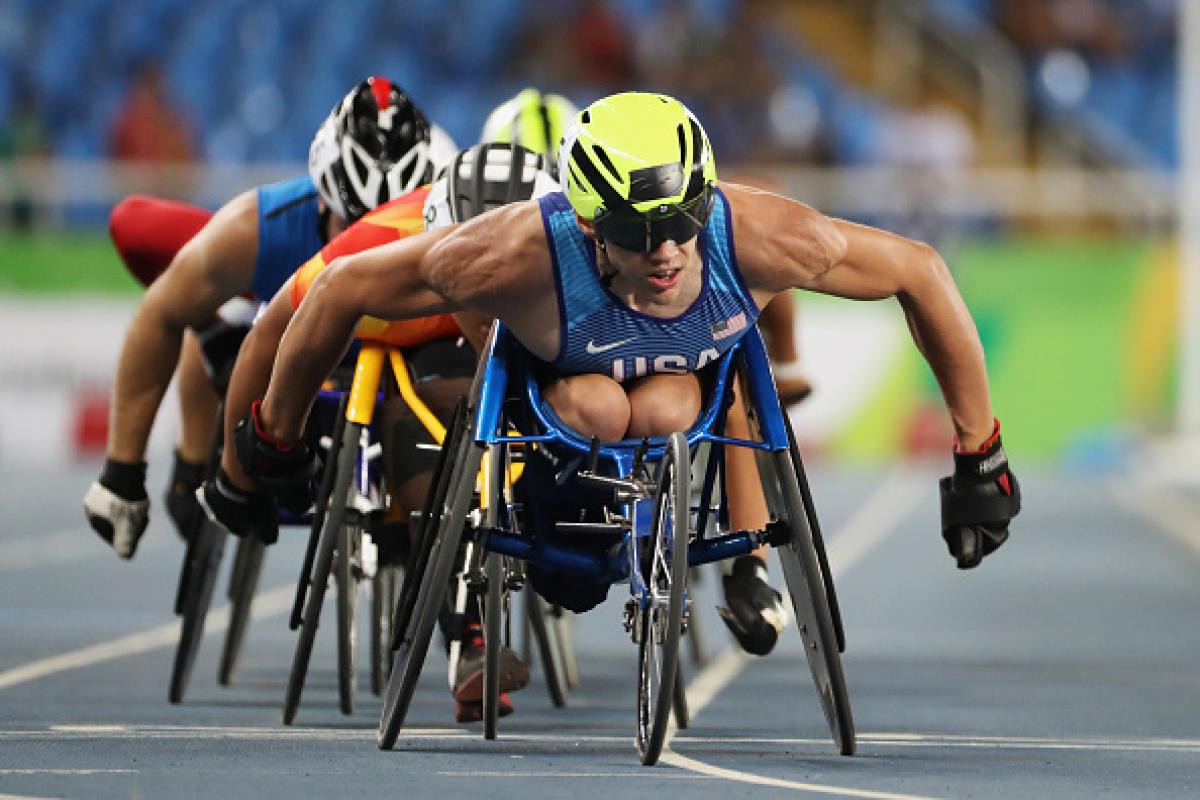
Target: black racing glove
{"x":978,"y":502}
{"x":283,"y":470}
{"x":185,"y":511}
{"x":241,"y":513}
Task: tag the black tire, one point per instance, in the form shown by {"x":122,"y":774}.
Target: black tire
{"x":428,"y":523}
{"x":204,"y":559}
{"x":318,"y":518}
{"x":695,"y":639}
{"x":349,"y":551}
{"x":383,"y":602}
{"x":243,"y":584}
{"x":330,"y":531}
{"x":493,"y":622}
{"x":679,"y":704}
{"x":806,"y":583}
{"x":549,"y":647}
{"x":431,"y":593}
{"x":665,"y":568}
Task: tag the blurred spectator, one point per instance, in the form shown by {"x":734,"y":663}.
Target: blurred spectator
{"x":22,"y":143}
{"x":150,"y":132}
{"x":601,"y":48}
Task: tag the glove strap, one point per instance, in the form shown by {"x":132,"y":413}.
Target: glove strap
{"x":124,"y":479}
{"x":987,"y":464}
{"x":977,"y":506}
{"x":261,"y":432}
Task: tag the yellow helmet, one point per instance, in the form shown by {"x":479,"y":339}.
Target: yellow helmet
{"x":641,"y":168}
{"x":532,"y":119}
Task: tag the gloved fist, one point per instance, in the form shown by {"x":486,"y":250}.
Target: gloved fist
{"x":281,"y":469}
{"x":241,"y":513}
{"x":116,"y":506}
{"x":978,"y":501}
{"x":182,"y":507}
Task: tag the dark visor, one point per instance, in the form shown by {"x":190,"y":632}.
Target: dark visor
{"x":644,"y":233}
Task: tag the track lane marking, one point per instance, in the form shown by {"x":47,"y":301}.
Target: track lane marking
{"x":266,"y":604}
{"x":892,"y":502}
{"x":1173,"y":514}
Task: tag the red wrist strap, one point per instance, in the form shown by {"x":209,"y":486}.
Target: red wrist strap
{"x":256,"y":418}
{"x":991,"y":440}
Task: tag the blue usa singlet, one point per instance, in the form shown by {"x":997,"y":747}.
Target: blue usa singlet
{"x":600,"y":334}
{"x":289,"y":232}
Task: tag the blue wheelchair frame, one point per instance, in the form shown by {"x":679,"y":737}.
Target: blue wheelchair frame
{"x":507,"y":360}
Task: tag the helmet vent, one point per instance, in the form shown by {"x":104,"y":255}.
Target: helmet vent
{"x":586,"y":118}
{"x":682,"y":144}
{"x":606,"y":161}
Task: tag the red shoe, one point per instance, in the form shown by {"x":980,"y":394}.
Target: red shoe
{"x":472,"y":710}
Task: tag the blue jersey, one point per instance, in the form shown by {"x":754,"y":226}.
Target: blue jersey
{"x":599,"y":334}
{"x":289,"y":232}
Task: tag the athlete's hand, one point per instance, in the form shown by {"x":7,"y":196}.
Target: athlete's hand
{"x":978,"y":502}
{"x":283,"y":469}
{"x":241,"y":513}
{"x":116,"y":506}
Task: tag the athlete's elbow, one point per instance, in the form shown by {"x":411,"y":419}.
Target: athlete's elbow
{"x":926,"y":271}
{"x":336,"y":288}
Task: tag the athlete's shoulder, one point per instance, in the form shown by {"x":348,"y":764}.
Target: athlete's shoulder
{"x":780,"y":242}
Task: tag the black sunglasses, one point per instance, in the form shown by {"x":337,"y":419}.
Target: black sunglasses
{"x":644,"y":233}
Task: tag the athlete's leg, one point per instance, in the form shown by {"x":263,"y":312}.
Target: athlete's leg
{"x":778,"y":324}
{"x":148,"y":232}
{"x":593,"y":405}
{"x":662,"y":404}
{"x":753,"y":610}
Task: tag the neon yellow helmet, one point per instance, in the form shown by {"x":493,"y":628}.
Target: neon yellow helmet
{"x":534,"y":120}
{"x":641,"y":168}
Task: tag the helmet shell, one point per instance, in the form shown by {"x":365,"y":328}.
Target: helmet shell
{"x":510,"y":173}
{"x":373,"y":146}
{"x":635,"y":152}
{"x":532,"y":119}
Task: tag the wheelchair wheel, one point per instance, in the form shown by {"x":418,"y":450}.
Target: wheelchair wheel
{"x":202,"y":562}
{"x":665,"y":568}
{"x":383,"y":601}
{"x":493,"y":622}
{"x":349,"y":549}
{"x":243,"y":583}
{"x":807,"y":582}
{"x":330,"y":531}
{"x":679,"y":705}
{"x":445,"y":520}
{"x":549,"y":646}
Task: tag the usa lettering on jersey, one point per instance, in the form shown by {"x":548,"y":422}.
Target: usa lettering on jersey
{"x":626,"y":369}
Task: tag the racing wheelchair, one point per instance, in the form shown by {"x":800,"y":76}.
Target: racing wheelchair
{"x":659,"y":533}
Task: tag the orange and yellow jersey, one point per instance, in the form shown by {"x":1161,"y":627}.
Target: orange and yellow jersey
{"x":394,"y":220}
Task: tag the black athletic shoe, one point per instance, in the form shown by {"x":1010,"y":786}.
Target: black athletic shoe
{"x":754,"y":612}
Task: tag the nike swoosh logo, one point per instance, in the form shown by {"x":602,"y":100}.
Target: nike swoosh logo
{"x":596,"y":349}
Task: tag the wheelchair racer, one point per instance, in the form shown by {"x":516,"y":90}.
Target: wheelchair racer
{"x":441,"y":364}
{"x":375,"y":144}
{"x":628,"y":282}
{"x":533,"y":119}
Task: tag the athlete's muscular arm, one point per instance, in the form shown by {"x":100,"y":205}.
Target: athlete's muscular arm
{"x":216,"y":264}
{"x":783,"y":244}
{"x":252,"y":373}
{"x":490,"y":265}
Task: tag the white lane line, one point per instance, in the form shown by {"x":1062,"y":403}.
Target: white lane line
{"x":60,"y":547}
{"x":1172,"y":513}
{"x":888,"y":739}
{"x":65,"y":771}
{"x":879,"y":516}
{"x":571,"y":775}
{"x":266,"y":604}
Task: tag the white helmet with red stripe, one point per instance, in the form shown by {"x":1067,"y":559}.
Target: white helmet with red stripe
{"x":375,"y":145}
